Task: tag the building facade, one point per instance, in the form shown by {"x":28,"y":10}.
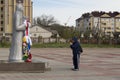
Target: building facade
{"x":106,"y":22}
{"x":7,"y":9}
{"x":37,"y":31}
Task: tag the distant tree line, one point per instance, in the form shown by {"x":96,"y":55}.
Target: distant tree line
{"x":48,"y":21}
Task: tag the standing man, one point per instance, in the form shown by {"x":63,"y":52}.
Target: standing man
{"x":77,"y":50}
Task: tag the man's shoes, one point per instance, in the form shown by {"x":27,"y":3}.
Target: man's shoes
{"x":75,"y":69}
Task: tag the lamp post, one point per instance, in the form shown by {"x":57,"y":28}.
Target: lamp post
{"x":3,"y":38}
{"x":99,"y":38}
{"x":57,"y":40}
{"x":119,"y":36}
{"x":82,"y":36}
{"x":111,"y":37}
{"x":90,"y":37}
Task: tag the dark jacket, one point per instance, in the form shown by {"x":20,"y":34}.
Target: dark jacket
{"x":76,"y":47}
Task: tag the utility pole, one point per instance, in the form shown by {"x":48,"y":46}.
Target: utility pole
{"x":67,"y":21}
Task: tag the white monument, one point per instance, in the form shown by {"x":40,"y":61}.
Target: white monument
{"x":17,"y":34}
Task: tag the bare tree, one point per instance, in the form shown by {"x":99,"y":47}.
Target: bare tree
{"x":45,"y":20}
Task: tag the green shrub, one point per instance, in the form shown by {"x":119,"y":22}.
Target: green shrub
{"x":51,"y":45}
{"x":5,"y":45}
{"x":62,"y":45}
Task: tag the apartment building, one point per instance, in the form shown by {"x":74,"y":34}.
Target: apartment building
{"x":7,"y":9}
{"x":106,"y":22}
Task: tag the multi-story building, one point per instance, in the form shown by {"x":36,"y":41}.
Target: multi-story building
{"x":106,"y":22}
{"x":7,"y":9}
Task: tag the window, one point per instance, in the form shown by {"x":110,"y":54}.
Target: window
{"x":7,"y":39}
{"x":112,"y":19}
{"x":87,"y":19}
{"x":20,"y":1}
{"x":117,"y":27}
{"x":112,"y":24}
{"x":1,"y":15}
{"x":1,"y":29}
{"x":103,"y":23}
{"x":2,"y":22}
{"x":1,"y":8}
{"x":109,"y":28}
{"x":89,"y":24}
{"x":2,"y":2}
{"x":112,"y":28}
{"x":34,"y":34}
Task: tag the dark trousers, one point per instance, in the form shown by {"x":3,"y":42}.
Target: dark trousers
{"x":76,"y":60}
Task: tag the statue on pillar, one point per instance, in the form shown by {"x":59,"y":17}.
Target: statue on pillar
{"x":18,"y":29}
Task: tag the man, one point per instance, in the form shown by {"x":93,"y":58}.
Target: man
{"x":77,"y":50}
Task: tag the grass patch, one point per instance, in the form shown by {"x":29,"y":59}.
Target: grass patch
{"x":100,"y":46}
{"x":5,"y":45}
{"x":63,"y":45}
{"x":51,"y":45}
{"x":66,"y":45}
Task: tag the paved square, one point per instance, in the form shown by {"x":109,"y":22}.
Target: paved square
{"x":96,"y":64}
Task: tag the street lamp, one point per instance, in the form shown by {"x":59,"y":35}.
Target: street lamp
{"x":3,"y":38}
{"x":3,"y":35}
{"x":82,"y":36}
{"x":57,"y":37}
{"x":99,"y":38}
{"x":90,"y":37}
{"x":119,"y":35}
{"x":111,"y":36}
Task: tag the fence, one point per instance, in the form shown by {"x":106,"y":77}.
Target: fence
{"x":48,"y":40}
{"x":61,"y":40}
{"x":100,"y":41}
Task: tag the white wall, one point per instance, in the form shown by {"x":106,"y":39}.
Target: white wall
{"x":37,"y":31}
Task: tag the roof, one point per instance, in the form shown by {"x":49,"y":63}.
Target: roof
{"x":99,"y":14}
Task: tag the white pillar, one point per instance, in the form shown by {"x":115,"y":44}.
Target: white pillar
{"x":17,"y":35}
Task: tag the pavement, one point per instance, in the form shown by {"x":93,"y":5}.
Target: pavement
{"x":95,"y":64}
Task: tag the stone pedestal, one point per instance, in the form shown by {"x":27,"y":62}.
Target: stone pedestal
{"x":6,"y":66}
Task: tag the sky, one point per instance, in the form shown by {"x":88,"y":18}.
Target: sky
{"x":67,"y":11}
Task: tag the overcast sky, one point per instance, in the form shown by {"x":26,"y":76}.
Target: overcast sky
{"x":63,"y":10}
